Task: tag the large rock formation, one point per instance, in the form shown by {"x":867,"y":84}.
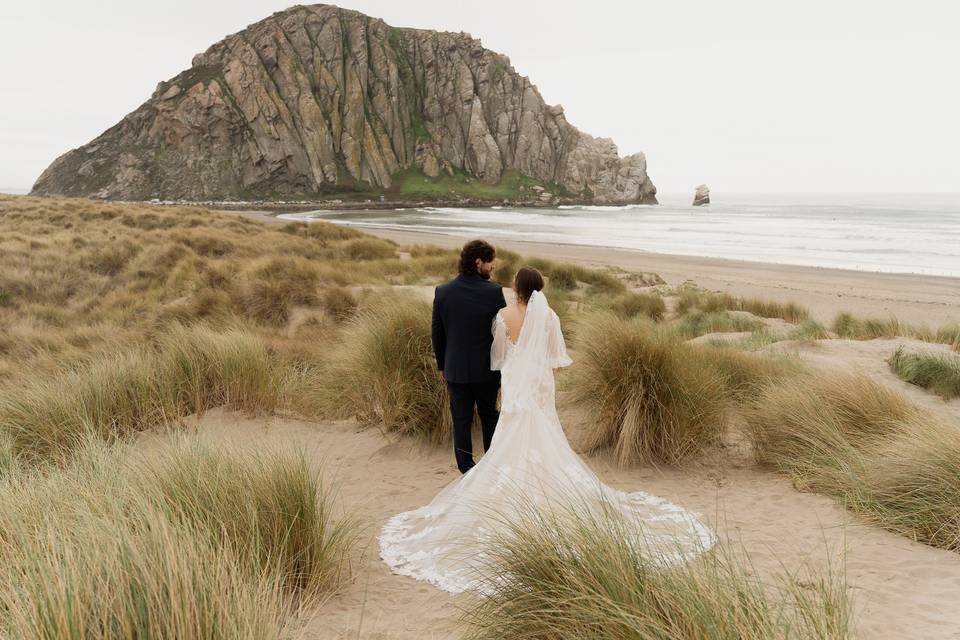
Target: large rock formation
{"x":701,"y":196}
{"x":318,"y":100}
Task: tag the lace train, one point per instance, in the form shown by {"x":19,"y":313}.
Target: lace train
{"x":530,"y":465}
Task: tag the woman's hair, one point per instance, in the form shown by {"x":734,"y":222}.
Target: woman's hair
{"x":526,"y":282}
{"x":473,"y":250}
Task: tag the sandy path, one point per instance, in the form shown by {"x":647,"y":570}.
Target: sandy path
{"x":901,"y":589}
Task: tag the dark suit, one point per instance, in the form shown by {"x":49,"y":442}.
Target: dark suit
{"x":463,"y":312}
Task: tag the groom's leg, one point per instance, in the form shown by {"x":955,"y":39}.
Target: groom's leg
{"x":486,"y":394}
{"x":461,"y":409}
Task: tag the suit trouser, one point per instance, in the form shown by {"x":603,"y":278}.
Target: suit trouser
{"x":463,"y":397}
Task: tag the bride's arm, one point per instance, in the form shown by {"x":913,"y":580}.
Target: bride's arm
{"x":498,"y":351}
{"x":556,"y":347}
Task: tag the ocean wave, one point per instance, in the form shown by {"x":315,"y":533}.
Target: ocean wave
{"x":604,"y":207}
{"x":823,"y":235}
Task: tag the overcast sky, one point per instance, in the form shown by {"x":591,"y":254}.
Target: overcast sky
{"x":752,"y":95}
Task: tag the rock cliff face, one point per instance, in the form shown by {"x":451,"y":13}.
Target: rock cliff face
{"x":701,"y":196}
{"x":317,"y":100}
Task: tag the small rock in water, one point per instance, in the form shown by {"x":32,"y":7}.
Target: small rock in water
{"x":702,"y":196}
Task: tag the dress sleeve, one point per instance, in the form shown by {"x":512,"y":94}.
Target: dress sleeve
{"x":556,"y":348}
{"x":498,"y":351}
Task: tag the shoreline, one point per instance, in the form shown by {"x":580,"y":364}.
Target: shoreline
{"x":914,"y":298}
{"x":299,"y":206}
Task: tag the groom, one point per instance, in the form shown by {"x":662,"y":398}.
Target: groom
{"x":463,"y":313}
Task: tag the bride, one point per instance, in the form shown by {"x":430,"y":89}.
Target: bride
{"x":529,"y":464}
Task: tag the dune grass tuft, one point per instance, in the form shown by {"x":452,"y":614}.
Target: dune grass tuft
{"x":851,"y":438}
{"x":191,"y":541}
{"x":811,"y":426}
{"x":580,"y":576}
{"x":630,"y":305}
{"x":704,"y":322}
{"x":269,"y":507}
{"x":809,"y":330}
{"x":910,"y":483}
{"x":848,"y":326}
{"x":652,"y":396}
{"x":274,"y":286}
{"x":190,"y":369}
{"x":949,"y":334}
{"x":384,"y":370}
{"x":562,"y":278}
{"x":745,"y":373}
{"x":940,"y":373}
{"x":690,"y":297}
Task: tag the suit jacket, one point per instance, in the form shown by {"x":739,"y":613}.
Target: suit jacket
{"x":463,"y":313}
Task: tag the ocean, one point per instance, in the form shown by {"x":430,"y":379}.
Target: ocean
{"x":896,"y":233}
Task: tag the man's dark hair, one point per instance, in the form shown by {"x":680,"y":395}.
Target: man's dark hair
{"x":473,"y":250}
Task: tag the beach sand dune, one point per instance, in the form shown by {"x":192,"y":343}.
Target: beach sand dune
{"x":901,"y":589}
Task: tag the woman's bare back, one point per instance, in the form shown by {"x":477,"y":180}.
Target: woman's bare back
{"x":513,"y":316}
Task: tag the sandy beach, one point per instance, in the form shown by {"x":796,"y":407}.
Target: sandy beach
{"x":920,"y":299}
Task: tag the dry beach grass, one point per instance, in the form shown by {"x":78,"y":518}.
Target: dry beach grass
{"x":122,"y":322}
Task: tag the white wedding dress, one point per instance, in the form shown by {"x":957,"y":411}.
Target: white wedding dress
{"x":529,"y":465}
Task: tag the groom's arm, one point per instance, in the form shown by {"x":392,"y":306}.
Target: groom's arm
{"x":438,"y":335}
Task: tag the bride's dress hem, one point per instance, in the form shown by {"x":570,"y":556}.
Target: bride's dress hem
{"x":529,"y":464}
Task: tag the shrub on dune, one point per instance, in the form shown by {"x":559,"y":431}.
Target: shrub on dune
{"x":690,"y":297}
{"x":809,"y":330}
{"x":110,"y":260}
{"x":950,"y":334}
{"x":561,"y":278}
{"x":321,"y":231}
{"x":910,"y":484}
{"x":275,"y":285}
{"x":191,"y":370}
{"x":97,"y":581}
{"x":848,"y":326}
{"x":745,"y":373}
{"x":940,"y":373}
{"x":270,"y":508}
{"x":790,"y":311}
{"x":384,"y":370}
{"x":186,"y":541}
{"x":205,"y":304}
{"x":580,"y":576}
{"x":652,"y":396}
{"x":630,"y":305}
{"x":339,"y":302}
{"x":704,"y":322}
{"x":210,"y":244}
{"x":813,"y":426}
{"x":368,"y":248}
{"x":851,"y":438}
{"x":206,"y":367}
